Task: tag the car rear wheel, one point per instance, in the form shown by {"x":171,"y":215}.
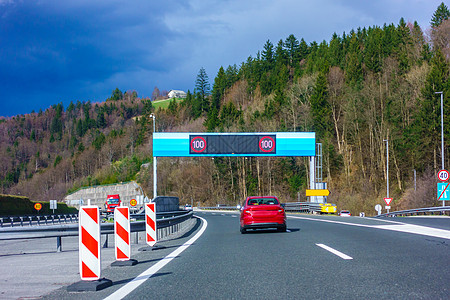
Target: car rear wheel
{"x":282,"y":229}
{"x":243,"y":230}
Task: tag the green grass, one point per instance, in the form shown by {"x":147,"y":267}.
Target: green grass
{"x":165,"y":103}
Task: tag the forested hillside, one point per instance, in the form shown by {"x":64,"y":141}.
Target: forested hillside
{"x":355,"y":91}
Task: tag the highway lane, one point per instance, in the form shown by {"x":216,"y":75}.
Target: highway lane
{"x":224,"y":264}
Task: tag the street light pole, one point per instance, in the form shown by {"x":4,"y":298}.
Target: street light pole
{"x":154,"y":161}
{"x":387,"y":169}
{"x":442,"y":132}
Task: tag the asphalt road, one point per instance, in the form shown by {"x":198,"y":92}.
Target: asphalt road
{"x":375,"y":259}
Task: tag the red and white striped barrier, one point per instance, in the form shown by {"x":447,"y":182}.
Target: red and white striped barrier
{"x":89,"y":242}
{"x":122,"y":233}
{"x":150,"y":224}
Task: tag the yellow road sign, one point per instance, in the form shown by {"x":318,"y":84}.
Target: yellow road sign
{"x":317,"y":193}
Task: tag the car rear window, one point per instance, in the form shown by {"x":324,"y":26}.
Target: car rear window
{"x":262,"y":201}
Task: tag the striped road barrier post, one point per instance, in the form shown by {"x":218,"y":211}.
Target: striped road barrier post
{"x":122,"y":237}
{"x":89,"y":251}
{"x":150,"y":228}
{"x":150,"y":224}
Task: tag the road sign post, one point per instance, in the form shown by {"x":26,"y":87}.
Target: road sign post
{"x":443,"y":191}
{"x":53,"y":205}
{"x":310,"y":193}
{"x":443,"y":175}
{"x":38,"y":207}
{"x":378,"y":209}
{"x":388,"y":203}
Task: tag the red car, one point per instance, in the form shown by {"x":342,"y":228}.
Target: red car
{"x":262,"y":212}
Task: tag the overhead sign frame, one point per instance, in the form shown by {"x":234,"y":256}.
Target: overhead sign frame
{"x":204,"y":144}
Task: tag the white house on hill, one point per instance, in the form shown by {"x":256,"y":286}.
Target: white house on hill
{"x":177,"y":94}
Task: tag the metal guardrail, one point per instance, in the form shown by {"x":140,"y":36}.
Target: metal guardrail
{"x":417,"y":211}
{"x":165,"y":225}
{"x":38,"y":220}
{"x":306,"y":207}
{"x":31,"y":220}
{"x":219,"y":208}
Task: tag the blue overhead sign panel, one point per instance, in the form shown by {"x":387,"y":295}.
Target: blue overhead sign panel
{"x":187,"y":144}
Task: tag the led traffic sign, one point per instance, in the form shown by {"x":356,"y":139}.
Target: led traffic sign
{"x":185,"y":144}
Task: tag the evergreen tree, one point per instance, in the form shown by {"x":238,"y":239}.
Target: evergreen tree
{"x":303,"y":49}
{"x":440,"y":15}
{"x":202,"y":88}
{"x":429,"y":120}
{"x":320,"y":107}
{"x":267,"y":56}
{"x":280,"y":54}
{"x":101,"y":122}
{"x":116,"y":95}
{"x":335,"y":51}
{"x":372,"y":49}
{"x":219,"y":86}
{"x":292,"y":49}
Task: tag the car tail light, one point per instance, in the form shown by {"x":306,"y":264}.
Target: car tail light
{"x":281,"y":211}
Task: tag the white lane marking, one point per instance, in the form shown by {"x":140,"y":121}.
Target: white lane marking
{"x":233,"y":216}
{"x":401,"y":227}
{"x":141,"y":278}
{"x":423,"y":230}
{"x":334,"y":251}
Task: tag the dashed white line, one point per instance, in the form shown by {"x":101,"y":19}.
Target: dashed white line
{"x":334,"y":251}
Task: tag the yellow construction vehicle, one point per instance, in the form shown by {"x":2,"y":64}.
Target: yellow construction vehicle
{"x":327,"y":208}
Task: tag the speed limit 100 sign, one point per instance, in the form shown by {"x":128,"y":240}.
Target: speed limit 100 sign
{"x":443,"y":175}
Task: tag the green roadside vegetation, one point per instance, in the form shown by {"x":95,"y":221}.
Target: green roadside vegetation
{"x":163,"y":104}
{"x":11,"y":205}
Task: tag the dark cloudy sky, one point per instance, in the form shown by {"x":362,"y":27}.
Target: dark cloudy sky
{"x":55,"y":51}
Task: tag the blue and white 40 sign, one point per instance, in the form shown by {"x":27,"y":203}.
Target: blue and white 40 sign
{"x":443,"y":175}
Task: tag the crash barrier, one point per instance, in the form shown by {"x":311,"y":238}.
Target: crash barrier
{"x":33,"y":220}
{"x":166,"y":225}
{"x":15,"y":221}
{"x":306,"y":207}
{"x":122,"y":233}
{"x":89,"y":243}
{"x":150,"y":224}
{"x":441,"y":210}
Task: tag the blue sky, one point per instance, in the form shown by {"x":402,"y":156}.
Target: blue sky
{"x":55,"y":51}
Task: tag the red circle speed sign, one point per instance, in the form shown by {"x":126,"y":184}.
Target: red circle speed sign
{"x":443,"y":175}
{"x":37,"y":206}
{"x":198,"y":144}
{"x":266,"y":144}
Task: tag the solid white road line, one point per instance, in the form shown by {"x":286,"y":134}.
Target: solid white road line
{"x":141,"y":278}
{"x":401,"y":227}
{"x":334,"y":251}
